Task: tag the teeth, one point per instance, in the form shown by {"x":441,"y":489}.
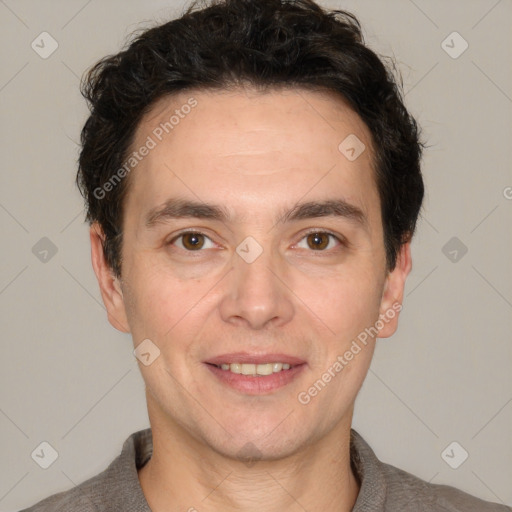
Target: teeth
{"x":264,"y":369}
{"x":248,"y":369}
{"x":255,"y":369}
{"x":235,"y":368}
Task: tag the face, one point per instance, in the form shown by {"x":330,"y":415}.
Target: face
{"x":279,"y":260}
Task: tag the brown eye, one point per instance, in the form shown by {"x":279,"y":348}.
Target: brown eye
{"x":192,"y":241}
{"x":318,"y":240}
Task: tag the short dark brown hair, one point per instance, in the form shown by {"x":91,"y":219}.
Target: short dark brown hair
{"x":265,"y":44}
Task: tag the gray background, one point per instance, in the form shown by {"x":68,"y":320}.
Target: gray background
{"x":68,"y":378}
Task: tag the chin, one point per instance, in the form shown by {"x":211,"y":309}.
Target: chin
{"x":252,"y":444}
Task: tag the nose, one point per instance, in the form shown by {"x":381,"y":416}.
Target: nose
{"x":257,"y":294}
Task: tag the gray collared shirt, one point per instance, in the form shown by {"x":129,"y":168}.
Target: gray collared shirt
{"x":384,"y":488}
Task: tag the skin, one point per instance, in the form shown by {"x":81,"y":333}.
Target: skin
{"x":256,"y":154}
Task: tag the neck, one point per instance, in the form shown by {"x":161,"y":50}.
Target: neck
{"x":185,"y":474}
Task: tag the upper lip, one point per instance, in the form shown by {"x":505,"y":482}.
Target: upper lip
{"x":246,"y":358}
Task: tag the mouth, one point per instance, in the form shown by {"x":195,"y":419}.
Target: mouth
{"x":254,"y":370}
{"x":256,"y":374}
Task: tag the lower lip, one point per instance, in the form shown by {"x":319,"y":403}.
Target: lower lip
{"x":256,"y":385}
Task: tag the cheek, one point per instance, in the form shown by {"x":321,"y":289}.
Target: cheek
{"x":345,"y":302}
{"x":165,"y":305}
{"x":148,"y":301}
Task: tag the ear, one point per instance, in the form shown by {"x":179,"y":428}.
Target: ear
{"x":109,"y":284}
{"x":392,"y":296}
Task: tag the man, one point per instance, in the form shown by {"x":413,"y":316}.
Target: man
{"x":253,"y":182}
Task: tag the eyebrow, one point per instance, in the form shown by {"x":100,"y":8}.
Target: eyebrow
{"x":175,"y":208}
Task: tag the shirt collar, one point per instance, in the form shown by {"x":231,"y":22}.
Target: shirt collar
{"x":372,"y":493}
{"x":137,"y":450}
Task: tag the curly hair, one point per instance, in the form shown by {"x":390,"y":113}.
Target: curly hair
{"x":265,"y":44}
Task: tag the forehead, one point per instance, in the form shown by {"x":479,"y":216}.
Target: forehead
{"x":245,"y":148}
{"x":296,"y":115}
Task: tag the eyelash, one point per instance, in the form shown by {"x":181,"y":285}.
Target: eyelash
{"x":341,"y":240}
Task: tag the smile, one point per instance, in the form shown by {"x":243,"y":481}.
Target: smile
{"x":254,"y":369}
{"x":255,"y":379}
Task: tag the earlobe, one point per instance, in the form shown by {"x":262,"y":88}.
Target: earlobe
{"x":392,"y":296}
{"x":110,"y":287}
